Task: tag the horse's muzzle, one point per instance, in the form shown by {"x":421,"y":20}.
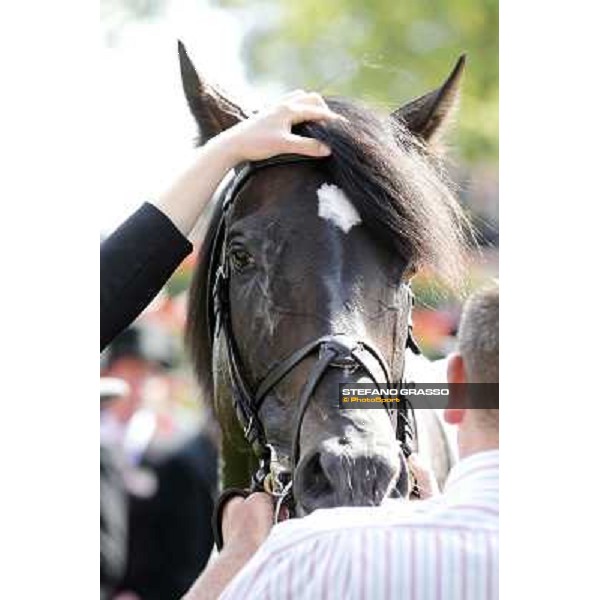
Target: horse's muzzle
{"x":340,"y":474}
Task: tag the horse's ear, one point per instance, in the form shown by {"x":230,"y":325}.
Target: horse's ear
{"x":211,"y":109}
{"x":428,"y":116}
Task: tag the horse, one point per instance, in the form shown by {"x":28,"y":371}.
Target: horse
{"x":303,"y":283}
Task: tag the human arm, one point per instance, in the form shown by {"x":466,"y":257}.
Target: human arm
{"x":135,"y":262}
{"x":246,"y":524}
{"x":141,"y":255}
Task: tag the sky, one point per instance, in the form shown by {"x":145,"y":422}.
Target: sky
{"x":147,"y":134}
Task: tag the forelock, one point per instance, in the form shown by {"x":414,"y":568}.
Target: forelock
{"x":398,"y":187}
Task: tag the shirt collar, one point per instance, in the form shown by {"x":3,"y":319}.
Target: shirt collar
{"x":474,"y":467}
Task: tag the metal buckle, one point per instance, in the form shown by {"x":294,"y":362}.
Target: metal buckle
{"x":343,"y":346}
{"x":249,"y":427}
{"x":287,"y":490}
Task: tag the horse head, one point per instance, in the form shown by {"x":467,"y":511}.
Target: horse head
{"x":318,"y":256}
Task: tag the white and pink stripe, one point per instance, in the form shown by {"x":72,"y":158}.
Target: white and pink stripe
{"x":440,"y":549}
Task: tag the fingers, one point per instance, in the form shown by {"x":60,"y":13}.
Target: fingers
{"x":268,"y":133}
{"x":296,"y":144}
{"x":261,"y":505}
{"x":299,"y":113}
{"x":311,"y":98}
{"x":302,"y":97}
{"x":258,"y":503}
{"x":260,"y":499}
{"x":302,"y":106}
{"x":247,"y":520}
{"x":232,"y":508}
{"x":424,"y":476}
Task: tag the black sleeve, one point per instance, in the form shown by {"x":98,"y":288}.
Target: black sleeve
{"x":135,"y":262}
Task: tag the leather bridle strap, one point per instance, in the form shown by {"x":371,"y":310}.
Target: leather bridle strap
{"x":219,"y":317}
{"x":333,"y":351}
{"x":342,"y":342}
{"x":342,"y":352}
{"x":217,"y":265}
{"x":311,"y":384}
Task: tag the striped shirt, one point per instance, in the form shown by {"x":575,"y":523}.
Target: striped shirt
{"x":438,"y":549}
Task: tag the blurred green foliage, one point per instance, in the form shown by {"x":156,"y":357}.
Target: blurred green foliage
{"x":382,"y":51}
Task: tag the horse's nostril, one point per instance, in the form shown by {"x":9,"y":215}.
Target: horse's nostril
{"x":332,"y":476}
{"x":316,"y":483}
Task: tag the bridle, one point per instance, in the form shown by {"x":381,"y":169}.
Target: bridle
{"x":332,"y":351}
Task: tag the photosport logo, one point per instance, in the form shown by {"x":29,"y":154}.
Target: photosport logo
{"x":418,"y":395}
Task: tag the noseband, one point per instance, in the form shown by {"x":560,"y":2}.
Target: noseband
{"x":331,"y":351}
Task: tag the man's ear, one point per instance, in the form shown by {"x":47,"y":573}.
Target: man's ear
{"x":456,"y":372}
{"x":213,"y":111}
{"x":455,"y":410}
{"x":427,"y":117}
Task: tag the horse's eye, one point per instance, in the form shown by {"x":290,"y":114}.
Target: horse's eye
{"x":240,"y":259}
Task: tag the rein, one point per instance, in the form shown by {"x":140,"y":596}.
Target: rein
{"x":332,"y":351}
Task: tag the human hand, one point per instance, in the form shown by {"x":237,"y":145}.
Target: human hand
{"x":424,"y":477}
{"x":247,"y":522}
{"x":269,"y":132}
{"x":263,"y":135}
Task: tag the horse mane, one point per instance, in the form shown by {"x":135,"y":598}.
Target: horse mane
{"x":400,"y":190}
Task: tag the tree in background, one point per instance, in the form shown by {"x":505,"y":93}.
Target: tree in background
{"x":383,"y":51}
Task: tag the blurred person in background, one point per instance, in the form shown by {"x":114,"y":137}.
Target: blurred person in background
{"x":141,"y":255}
{"x":401,"y":549}
{"x":113,"y":499}
{"x":169,"y":472}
